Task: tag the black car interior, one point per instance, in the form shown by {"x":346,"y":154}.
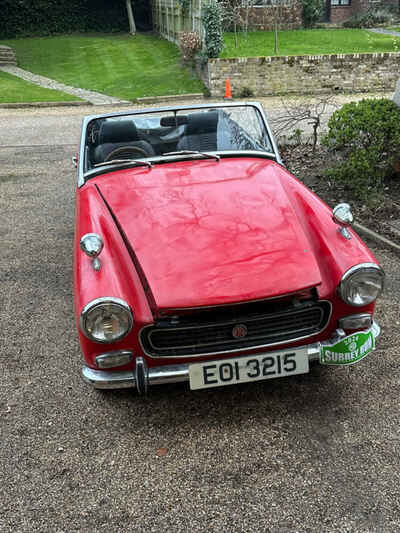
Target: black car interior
{"x":139,"y":137}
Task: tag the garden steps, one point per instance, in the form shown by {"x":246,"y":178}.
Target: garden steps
{"x":7,"y":56}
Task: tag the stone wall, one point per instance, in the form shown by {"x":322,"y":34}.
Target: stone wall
{"x":396,"y":96}
{"x":7,"y":56}
{"x":304,"y":74}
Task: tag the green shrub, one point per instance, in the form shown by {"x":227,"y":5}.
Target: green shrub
{"x":246,"y":92}
{"x":26,"y":18}
{"x":212,"y":22}
{"x":311,"y":12}
{"x":365,"y":137}
{"x":189,"y":44}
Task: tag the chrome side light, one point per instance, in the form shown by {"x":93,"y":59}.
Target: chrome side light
{"x":362,"y":284}
{"x":106,"y":320}
{"x":343,"y":216}
{"x":113,"y":359}
{"x":360,"y":321}
{"x":92,"y":245}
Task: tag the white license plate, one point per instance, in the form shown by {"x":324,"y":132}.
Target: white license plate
{"x":251,"y":368}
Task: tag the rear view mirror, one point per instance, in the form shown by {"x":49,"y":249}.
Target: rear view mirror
{"x":173,"y":120}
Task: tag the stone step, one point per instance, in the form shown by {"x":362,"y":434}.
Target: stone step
{"x":7,"y":56}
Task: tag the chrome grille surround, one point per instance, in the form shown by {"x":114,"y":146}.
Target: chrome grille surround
{"x":198,"y":336}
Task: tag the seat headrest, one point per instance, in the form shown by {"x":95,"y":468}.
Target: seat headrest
{"x":199,"y":123}
{"x":117,"y":131}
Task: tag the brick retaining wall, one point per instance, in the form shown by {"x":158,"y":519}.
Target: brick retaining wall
{"x":305,"y":74}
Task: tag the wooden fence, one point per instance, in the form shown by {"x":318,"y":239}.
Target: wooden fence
{"x":170,"y":20}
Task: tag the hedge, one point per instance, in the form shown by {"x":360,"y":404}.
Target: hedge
{"x":26,"y":18}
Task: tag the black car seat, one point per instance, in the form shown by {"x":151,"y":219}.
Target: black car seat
{"x":116,"y":134}
{"x":200,"y":132}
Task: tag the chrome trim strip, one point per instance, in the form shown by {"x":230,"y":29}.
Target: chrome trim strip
{"x":162,"y":375}
{"x":376,"y":329}
{"x":231,"y":323}
{"x":104,"y":379}
{"x":354,"y":268}
{"x":141,"y":376}
{"x":238,"y":350}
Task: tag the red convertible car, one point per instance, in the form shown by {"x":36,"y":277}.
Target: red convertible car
{"x":200,"y":258}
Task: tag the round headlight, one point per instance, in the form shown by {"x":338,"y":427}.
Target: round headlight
{"x":362,"y":284}
{"x":106,"y":320}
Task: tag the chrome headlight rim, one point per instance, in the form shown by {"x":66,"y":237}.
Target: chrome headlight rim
{"x":354,"y":270}
{"x":97,"y":302}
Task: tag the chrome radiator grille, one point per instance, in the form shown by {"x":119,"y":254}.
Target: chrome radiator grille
{"x":234,"y":328}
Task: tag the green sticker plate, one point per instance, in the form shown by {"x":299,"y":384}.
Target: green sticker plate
{"x":349,"y":350}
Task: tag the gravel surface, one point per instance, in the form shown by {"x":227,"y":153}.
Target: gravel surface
{"x":312,"y":453}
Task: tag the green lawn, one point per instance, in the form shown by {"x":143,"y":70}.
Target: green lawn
{"x":117,"y":65}
{"x":309,"y":42}
{"x":14,"y":90}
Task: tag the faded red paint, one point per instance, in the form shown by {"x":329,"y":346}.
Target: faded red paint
{"x":203,"y":233}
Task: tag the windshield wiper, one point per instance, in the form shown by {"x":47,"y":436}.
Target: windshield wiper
{"x":194,"y":152}
{"x":137,"y":162}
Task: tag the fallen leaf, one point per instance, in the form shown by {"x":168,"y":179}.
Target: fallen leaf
{"x":161,"y":452}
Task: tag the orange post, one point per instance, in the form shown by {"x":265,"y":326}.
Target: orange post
{"x":228,"y":94}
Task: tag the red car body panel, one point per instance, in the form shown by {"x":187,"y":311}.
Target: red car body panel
{"x":200,"y":233}
{"x":221,"y":232}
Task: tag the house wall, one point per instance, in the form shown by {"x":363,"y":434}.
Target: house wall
{"x":339,"y":14}
{"x":305,"y":74}
{"x":262,"y":18}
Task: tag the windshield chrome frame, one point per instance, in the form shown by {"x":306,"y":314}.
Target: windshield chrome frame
{"x":83,"y":175}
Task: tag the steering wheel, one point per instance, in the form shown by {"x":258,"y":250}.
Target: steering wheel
{"x":126,"y":152}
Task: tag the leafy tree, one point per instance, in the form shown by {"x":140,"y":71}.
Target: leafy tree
{"x":311,"y":12}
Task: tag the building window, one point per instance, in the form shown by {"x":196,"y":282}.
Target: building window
{"x":340,"y":2}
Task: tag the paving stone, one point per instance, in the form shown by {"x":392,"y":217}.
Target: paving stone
{"x":90,"y":96}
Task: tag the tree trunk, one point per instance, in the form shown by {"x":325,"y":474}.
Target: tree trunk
{"x":275,"y":30}
{"x":132,"y":25}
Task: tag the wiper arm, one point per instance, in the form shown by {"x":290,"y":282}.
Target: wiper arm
{"x":194,"y":152}
{"x":137,"y":162}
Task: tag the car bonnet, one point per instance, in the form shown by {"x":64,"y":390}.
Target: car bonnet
{"x":208,"y":233}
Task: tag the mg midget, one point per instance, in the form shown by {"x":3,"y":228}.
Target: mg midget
{"x":199,"y":258}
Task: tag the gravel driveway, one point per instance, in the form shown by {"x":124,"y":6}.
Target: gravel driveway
{"x":312,"y":453}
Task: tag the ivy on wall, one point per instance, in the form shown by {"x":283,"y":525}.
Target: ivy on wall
{"x":212,"y":22}
{"x":24,"y":18}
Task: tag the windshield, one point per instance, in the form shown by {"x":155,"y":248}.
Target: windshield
{"x":177,"y":132}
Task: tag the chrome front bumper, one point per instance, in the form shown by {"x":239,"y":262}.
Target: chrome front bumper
{"x":142,"y":377}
